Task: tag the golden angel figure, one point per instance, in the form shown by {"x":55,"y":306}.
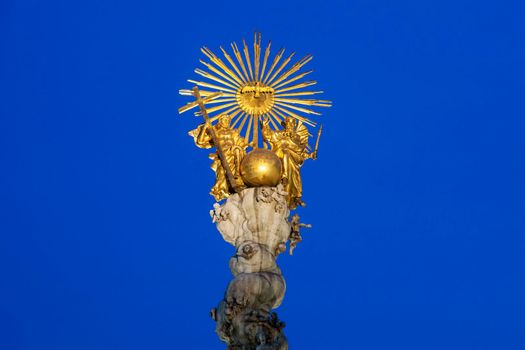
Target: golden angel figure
{"x":291,"y":146}
{"x":233,"y":147}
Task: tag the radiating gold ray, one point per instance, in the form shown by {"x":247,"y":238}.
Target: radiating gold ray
{"x":239,"y":59}
{"x":204,"y":93}
{"x":292,"y":114}
{"x":300,"y":93}
{"x":234,"y":124}
{"x":222,"y":100}
{"x":299,"y":86}
{"x":211,"y":86}
{"x":248,"y":60}
{"x":218,"y":108}
{"x":277,"y":118}
{"x":281,"y":79}
{"x":215,"y":117}
{"x":220,"y":63}
{"x":214,"y":78}
{"x":272,"y":121}
{"x":235,"y":110}
{"x":294,"y":68}
{"x":291,"y":80}
{"x":274,"y":63}
{"x":256,"y":132}
{"x":198,"y":102}
{"x":257,"y":54}
{"x":235,"y":115}
{"x":285,"y":62}
{"x":278,"y":113}
{"x":266,"y":54}
{"x":300,"y":109}
{"x":243,"y":116}
{"x":247,"y":135}
{"x":232,"y":63}
{"x":217,"y":71}
{"x":305,"y":102}
{"x":231,"y":110}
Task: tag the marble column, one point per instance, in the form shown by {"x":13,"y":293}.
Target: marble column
{"x":255,"y":221}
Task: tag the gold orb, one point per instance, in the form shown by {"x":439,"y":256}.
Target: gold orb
{"x":261,"y":167}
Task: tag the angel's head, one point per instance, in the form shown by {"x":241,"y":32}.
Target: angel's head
{"x":224,"y":120}
{"x":288,"y":123}
{"x":252,"y":257}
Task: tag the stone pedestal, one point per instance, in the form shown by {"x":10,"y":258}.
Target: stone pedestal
{"x":255,"y":221}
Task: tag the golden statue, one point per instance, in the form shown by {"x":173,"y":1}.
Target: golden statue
{"x":291,"y":146}
{"x":260,"y":95}
{"x":232,"y":146}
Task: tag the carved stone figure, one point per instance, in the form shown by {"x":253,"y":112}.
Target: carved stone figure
{"x":295,"y":234}
{"x":244,"y":317}
{"x":215,"y":213}
{"x":250,"y":221}
{"x":255,"y":214}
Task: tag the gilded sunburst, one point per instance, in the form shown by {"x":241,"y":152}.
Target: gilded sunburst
{"x":252,"y":88}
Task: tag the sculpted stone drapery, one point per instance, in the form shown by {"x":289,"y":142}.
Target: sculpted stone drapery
{"x":256,"y":222}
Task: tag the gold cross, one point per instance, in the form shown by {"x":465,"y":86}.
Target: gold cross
{"x":200,"y":102}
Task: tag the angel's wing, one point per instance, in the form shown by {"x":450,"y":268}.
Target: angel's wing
{"x":303,"y":134}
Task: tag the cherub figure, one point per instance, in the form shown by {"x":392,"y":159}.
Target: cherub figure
{"x":217,"y":214}
{"x":295,"y":235}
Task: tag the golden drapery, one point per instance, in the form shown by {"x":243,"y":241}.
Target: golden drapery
{"x":290,"y":145}
{"x":233,"y":147}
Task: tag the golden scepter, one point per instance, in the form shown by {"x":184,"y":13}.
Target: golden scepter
{"x":314,"y":153}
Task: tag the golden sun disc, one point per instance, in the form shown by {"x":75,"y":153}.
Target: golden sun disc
{"x":255,"y":98}
{"x":254,"y":86}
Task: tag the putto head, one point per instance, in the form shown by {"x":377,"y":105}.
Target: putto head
{"x":224,"y":120}
{"x":289,"y":123}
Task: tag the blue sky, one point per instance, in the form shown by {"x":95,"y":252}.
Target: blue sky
{"x":417,"y":199}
